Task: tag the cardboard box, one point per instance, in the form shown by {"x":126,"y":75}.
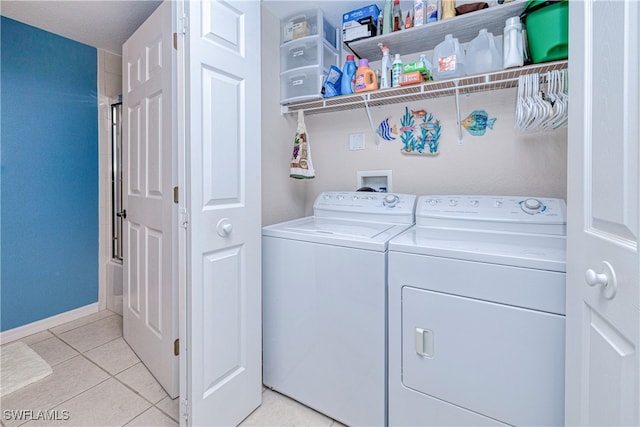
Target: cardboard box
{"x":359,"y":32}
{"x":360,"y":23}
{"x":414,"y":66}
{"x":358,"y":14}
{"x":411,"y":78}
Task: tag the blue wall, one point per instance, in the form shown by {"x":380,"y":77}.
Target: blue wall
{"x":49,"y":172}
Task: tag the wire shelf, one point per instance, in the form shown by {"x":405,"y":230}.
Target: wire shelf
{"x":503,"y":79}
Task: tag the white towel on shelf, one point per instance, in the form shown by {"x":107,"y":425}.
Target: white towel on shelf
{"x":301,"y":164}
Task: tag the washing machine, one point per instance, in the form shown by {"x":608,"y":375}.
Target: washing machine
{"x":477,"y":313}
{"x":324,"y":303}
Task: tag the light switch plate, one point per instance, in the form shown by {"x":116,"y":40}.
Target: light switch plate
{"x":356,"y":141}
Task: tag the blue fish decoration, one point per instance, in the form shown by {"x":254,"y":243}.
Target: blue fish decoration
{"x":385,"y":130}
{"x":477,"y":122}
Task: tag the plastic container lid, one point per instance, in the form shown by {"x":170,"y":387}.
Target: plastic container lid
{"x":350,"y":57}
{"x":514,"y":20}
{"x":363,"y":63}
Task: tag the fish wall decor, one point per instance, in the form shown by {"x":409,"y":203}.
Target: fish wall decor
{"x":477,"y":122}
{"x":386,"y":131}
{"x":420,"y":132}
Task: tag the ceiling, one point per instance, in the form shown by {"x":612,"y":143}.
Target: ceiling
{"x":332,"y":9}
{"x":101,"y":24}
{"x":108,"y":24}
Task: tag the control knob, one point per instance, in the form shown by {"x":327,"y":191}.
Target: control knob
{"x":391,"y":200}
{"x":531,"y":206}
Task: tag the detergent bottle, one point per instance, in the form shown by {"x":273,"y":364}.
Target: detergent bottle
{"x":365,"y":77}
{"x":513,"y":53}
{"x":385,"y":74}
{"x":428,"y":75}
{"x":387,"y":22}
{"x":348,"y":75}
{"x":396,"y":70}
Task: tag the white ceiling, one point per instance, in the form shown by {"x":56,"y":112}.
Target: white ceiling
{"x":108,"y":24}
{"x":102,"y":24}
{"x":332,"y":9}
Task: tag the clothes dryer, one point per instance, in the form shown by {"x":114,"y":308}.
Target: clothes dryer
{"x":476,"y":313}
{"x":324,"y":304}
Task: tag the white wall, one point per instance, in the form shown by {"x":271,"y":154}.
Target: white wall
{"x":109,"y":87}
{"x":283,"y":198}
{"x":504,"y":161}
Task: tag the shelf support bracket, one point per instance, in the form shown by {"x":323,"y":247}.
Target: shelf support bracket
{"x":373,"y":129}
{"x":456,"y":83}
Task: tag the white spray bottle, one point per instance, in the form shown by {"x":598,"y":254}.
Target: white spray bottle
{"x":385,"y":76}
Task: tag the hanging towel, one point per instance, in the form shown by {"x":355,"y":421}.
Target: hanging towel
{"x":301,"y":165}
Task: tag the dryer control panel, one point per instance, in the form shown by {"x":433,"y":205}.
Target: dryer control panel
{"x":366,"y":206}
{"x":498,"y":213}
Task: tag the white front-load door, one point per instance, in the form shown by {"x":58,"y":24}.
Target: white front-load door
{"x":222,"y":211}
{"x":150,"y":258}
{"x":603,"y":280}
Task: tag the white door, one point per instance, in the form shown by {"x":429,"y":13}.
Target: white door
{"x":603,"y":321}
{"x":150,"y":299}
{"x":222,"y":292}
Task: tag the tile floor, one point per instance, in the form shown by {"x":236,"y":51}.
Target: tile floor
{"x":100,"y":381}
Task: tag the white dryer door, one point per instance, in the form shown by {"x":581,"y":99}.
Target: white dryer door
{"x":501,"y":361}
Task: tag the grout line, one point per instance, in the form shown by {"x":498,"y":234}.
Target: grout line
{"x":166,"y":413}
{"x":80,"y":326}
{"x":89,"y":349}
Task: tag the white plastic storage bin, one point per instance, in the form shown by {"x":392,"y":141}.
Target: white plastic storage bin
{"x":308,"y":23}
{"x":301,"y":84}
{"x":307,"y":52}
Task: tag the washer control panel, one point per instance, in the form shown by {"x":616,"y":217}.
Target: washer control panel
{"x":508,"y":213}
{"x":366,"y":206}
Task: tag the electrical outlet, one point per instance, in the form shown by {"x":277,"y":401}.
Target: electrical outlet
{"x":356,"y":141}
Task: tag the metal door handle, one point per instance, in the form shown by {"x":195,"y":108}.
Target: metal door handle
{"x":122,"y":214}
{"x":606,"y":279}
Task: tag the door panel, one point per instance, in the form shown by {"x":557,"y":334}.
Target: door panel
{"x":222,"y":248}
{"x":603,"y":322}
{"x":613,"y":176}
{"x":219,"y":186}
{"x":611,"y":387}
{"x":223,"y":307}
{"x":150,"y":280}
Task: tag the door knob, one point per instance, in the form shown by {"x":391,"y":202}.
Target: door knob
{"x":594,"y":278}
{"x":224,"y":227}
{"x":606,"y":279}
{"x":122,"y":214}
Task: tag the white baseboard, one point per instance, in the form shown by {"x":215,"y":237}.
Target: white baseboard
{"x":49,"y":322}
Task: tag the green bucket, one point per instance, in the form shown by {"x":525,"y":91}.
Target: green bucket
{"x":547,"y":24}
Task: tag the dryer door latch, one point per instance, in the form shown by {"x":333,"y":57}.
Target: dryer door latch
{"x":424,"y":342}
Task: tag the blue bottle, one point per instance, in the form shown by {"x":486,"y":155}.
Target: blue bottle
{"x":348,"y":75}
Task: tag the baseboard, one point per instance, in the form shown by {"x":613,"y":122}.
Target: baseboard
{"x":49,"y":322}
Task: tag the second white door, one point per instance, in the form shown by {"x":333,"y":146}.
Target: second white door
{"x":150,"y":300}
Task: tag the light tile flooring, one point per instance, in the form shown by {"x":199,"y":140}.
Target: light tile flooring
{"x":100,"y":381}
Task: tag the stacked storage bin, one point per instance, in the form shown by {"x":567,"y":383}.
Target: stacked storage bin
{"x":307,"y":52}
